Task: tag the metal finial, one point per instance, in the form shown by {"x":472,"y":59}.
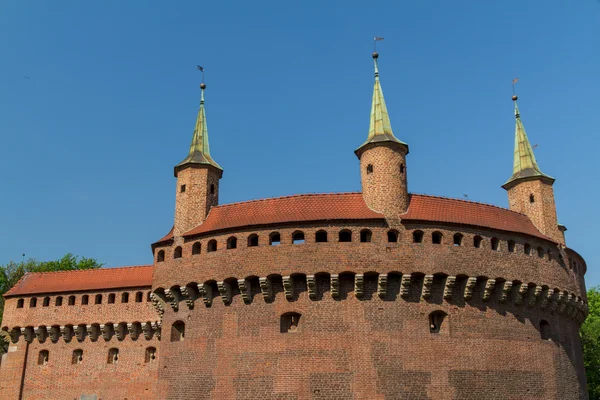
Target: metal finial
{"x":514,"y":96}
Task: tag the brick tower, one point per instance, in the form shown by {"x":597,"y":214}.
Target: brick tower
{"x":197,"y":179}
{"x":529,"y":189}
{"x":383,"y":160}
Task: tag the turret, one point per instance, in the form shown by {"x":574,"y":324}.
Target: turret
{"x":383,"y":160}
{"x":530,"y":191}
{"x":197,"y":179}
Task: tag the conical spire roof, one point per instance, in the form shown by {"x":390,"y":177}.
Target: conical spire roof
{"x":380,"y":127}
{"x":199,"y":149}
{"x":524,"y":166}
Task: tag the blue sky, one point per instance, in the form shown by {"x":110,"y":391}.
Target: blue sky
{"x":98,"y":102}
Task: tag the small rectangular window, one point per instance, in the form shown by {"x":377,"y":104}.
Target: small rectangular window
{"x":182,"y":188}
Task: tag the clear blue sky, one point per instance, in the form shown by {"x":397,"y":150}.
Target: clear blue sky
{"x":98,"y":102}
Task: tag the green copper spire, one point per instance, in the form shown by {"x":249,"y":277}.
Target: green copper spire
{"x":380,"y":128}
{"x":199,"y":150}
{"x":525,"y":166}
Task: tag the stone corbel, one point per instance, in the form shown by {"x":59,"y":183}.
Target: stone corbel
{"x":489,"y":287}
{"x":107,"y":331}
{"x":245,"y":290}
{"x":449,"y":286}
{"x":266,"y":288}
{"x":382,"y":286}
{"x":506,"y":288}
{"x":311,"y":285}
{"x":359,"y":284}
{"x":53,"y":333}
{"x":560,"y":297}
{"x":225,"y":292}
{"x":288,"y":287}
{"x":427,"y":284}
{"x":93,"y":332}
{"x":187,"y":296}
{"x":79,"y":332}
{"x":564,"y":301}
{"x":469,"y":287}
{"x":536,"y":294}
{"x":157,"y":304}
{"x":405,"y":285}
{"x":547,"y":298}
{"x":66,"y":333}
{"x":522,"y":293}
{"x":14,"y":334}
{"x":173,"y":299}
{"x":134,"y":331}
{"x":335,"y":286}
{"x":156,"y":328}
{"x":206,"y":294}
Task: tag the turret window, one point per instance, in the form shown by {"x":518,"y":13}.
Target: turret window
{"x":150,"y":355}
{"x":33,"y":302}
{"x":345,"y":236}
{"x":477,"y":241}
{"x":85,"y":299}
{"x":182,"y":188}
{"x":401,"y":168}
{"x":212,"y":246}
{"x":111,"y":298}
{"x":365,"y":235}
{"x":212,"y":189}
{"x":113,"y":356}
{"x":494,"y":242}
{"x":71,"y":300}
{"x":370,"y":169}
{"x":177,"y":331}
{"x":232,"y":243}
{"x":436,"y":238}
{"x":289,"y":322}
{"x":540,"y":252}
{"x":58,"y":301}
{"x":160,"y":257}
{"x":196,"y":248}
{"x":43,"y":357}
{"x":77,"y":357}
{"x":321,"y":236}
{"x":436,"y":319}
{"x":20,"y":303}
{"x":545,"y":330}
{"x":511,"y":246}
{"x":298,"y":237}
{"x":98,"y":299}
{"x":458,"y":239}
{"x":139,"y":297}
{"x":531,"y":198}
{"x":418,"y":237}
{"x":253,"y":240}
{"x":178,"y":252}
{"x":527,"y":249}
{"x":274,"y":239}
{"x":46,"y":302}
{"x":125,"y":298}
{"x":392,"y":236}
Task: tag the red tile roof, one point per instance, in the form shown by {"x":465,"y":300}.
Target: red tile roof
{"x":79,"y":280}
{"x":454,"y":211}
{"x":299,"y":208}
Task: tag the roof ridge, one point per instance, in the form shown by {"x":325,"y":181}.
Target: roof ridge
{"x":283,"y":197}
{"x":468,"y":201}
{"x":85,"y":270}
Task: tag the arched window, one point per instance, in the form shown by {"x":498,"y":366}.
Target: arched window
{"x":511,"y":246}
{"x":494,"y":242}
{"x":345,"y":236}
{"x":458,"y":237}
{"x":253,"y":240}
{"x":212,"y":246}
{"x":527,"y":248}
{"x":298,"y":237}
{"x":540,"y":252}
{"x":274,"y":239}
{"x":20,"y":303}
{"x":392,"y":236}
{"x":43,"y":357}
{"x":212,"y":188}
{"x":321,"y":236}
{"x":531,"y":198}
{"x":77,"y":357}
{"x":85,"y":299}
{"x":178,"y":252}
{"x":365,"y":235}
{"x":111,"y":298}
{"x":33,"y":302}
{"x":418,"y":237}
{"x":125,"y":297}
{"x":370,"y":169}
{"x":46,"y":302}
{"x":71,"y":300}
{"x":289,"y":322}
{"x":436,"y":319}
{"x":98,"y":299}
{"x":150,"y":355}
{"x":160,"y":257}
{"x":196,"y":248}
{"x":401,"y":168}
{"x":177,"y":331}
{"x":232,"y":242}
{"x":139,"y":297}
{"x":436,"y":238}
{"x":113,"y":356}
{"x":477,"y":241}
{"x":58,"y":301}
{"x":545,"y":331}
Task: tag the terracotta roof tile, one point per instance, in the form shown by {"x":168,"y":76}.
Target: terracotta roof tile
{"x":299,"y":208}
{"x":79,"y":280}
{"x":455,"y":211}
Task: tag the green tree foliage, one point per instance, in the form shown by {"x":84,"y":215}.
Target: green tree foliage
{"x":13,"y":271}
{"x":590,"y":339}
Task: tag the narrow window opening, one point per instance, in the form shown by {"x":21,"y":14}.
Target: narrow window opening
{"x":545,"y":331}
{"x":401,"y":168}
{"x":111,"y":298}
{"x":113,"y":356}
{"x":527,"y":248}
{"x":182,"y":189}
{"x":71,"y":300}
{"x":149,"y":297}
{"x":212,"y":246}
{"x":33,"y":302}
{"x":365,"y":235}
{"x":139,"y":297}
{"x":43,"y":357}
{"x":392,"y":236}
{"x":196,"y":248}
{"x":550,"y":255}
{"x":289,"y":322}
{"x":125,"y":298}
{"x":150,"y":355}
{"x":212,"y":189}
{"x":345,"y":236}
{"x":436,"y":319}
{"x":495,"y":243}
{"x":274,"y":239}
{"x":232,"y":243}
{"x":177,"y":331}
{"x":178,"y":252}
{"x":98,"y":299}
{"x":253,"y":240}
{"x":321,"y":237}
{"x":20,"y":303}
{"x":370,"y":169}
{"x":436,"y":238}
{"x":58,"y":301}
{"x":85,"y":299}
{"x":77,"y":357}
{"x":531,"y":198}
{"x":160,"y":257}
{"x":477,"y":241}
{"x":298,"y":237}
{"x":418,"y":237}
{"x":458,"y":239}
{"x":540,"y":252}
{"x":511,"y":246}
{"x":46,"y":302}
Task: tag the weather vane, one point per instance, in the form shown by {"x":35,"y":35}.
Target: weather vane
{"x":514,"y":81}
{"x":375,"y":40}
{"x":201,"y":69}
